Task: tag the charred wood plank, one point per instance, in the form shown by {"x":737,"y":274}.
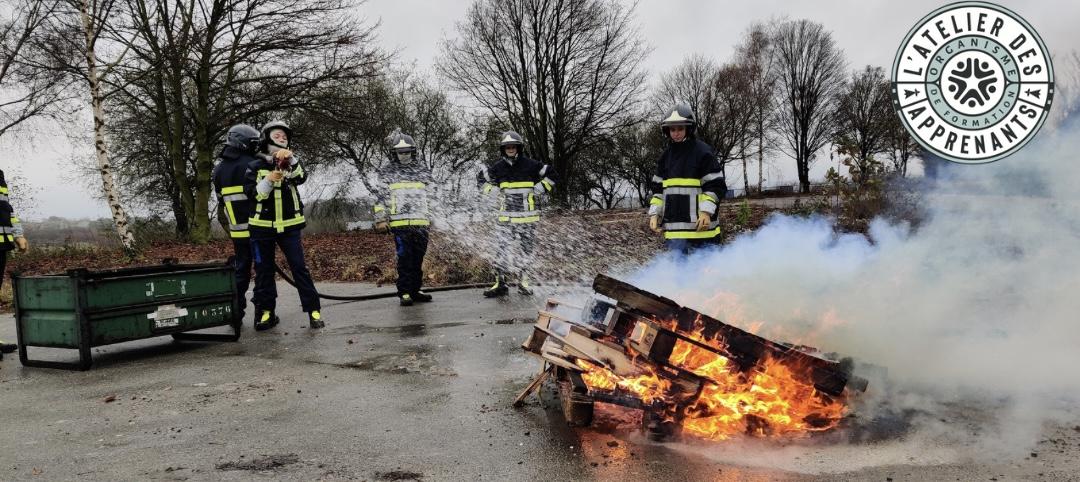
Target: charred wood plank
{"x":744,"y":348}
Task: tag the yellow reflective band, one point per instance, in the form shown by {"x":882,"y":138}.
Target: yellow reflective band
{"x":261,"y":223}
{"x":547,"y":185}
{"x":406,"y":185}
{"x":682,"y":182}
{"x":295,"y":199}
{"x":409,"y":222}
{"x":516,"y":185}
{"x":656,"y":201}
{"x":291,"y":222}
{"x":532,"y":202}
{"x":232,"y":190}
{"x":229,"y":212}
{"x":530,"y":219}
{"x":379,"y":208}
{"x":692,"y":234}
{"x":504,"y":218}
{"x":488,"y":188}
{"x":239,"y":234}
{"x":14,"y":220}
{"x":3,"y":190}
{"x":705,"y":197}
{"x":279,"y":220}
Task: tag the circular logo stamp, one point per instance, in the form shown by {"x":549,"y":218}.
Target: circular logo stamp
{"x":972,"y":82}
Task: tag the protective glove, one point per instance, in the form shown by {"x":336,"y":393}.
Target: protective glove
{"x":282,"y":154}
{"x":539,"y":189}
{"x":654,"y":224}
{"x":703,"y":220}
{"x":382,"y":226}
{"x":22,"y":244}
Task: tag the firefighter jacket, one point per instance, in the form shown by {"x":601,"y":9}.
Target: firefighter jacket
{"x":688,"y":180}
{"x":517,"y":183}
{"x":403,"y":195}
{"x":229,"y":183}
{"x":10,"y":227}
{"x":273,"y":207}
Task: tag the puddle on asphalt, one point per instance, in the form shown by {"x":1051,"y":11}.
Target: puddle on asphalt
{"x":417,"y":359}
{"x":406,"y":331}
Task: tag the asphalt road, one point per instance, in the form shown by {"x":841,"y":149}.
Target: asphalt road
{"x":390,"y":393}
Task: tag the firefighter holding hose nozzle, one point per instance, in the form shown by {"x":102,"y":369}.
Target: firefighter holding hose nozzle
{"x":276,"y":220}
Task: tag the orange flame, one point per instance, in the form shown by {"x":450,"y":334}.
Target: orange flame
{"x":770,"y":400}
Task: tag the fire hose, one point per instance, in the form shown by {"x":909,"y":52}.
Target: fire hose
{"x":376,"y":296}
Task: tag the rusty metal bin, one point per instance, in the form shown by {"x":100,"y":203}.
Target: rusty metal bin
{"x":82,"y":309}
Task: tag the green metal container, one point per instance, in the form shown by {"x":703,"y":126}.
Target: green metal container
{"x":82,"y":309}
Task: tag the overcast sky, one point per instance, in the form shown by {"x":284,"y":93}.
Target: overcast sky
{"x":868,"y":31}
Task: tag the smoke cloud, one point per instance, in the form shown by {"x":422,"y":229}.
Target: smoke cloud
{"x":975,"y":314}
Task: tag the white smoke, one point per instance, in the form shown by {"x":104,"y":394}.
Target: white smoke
{"x":977,"y":307}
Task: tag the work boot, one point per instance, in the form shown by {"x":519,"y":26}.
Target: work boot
{"x":497,"y":290}
{"x":421,"y":297}
{"x":7,"y":347}
{"x":523,"y":287}
{"x":406,"y":300}
{"x":315,"y":320}
{"x":266,"y":320}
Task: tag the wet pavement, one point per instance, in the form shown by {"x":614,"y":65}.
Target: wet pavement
{"x":382,"y":393}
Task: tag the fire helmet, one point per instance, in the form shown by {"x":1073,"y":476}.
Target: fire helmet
{"x":680,"y":115}
{"x":243,"y":137}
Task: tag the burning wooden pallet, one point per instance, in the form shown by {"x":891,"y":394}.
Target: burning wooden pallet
{"x":685,"y":370}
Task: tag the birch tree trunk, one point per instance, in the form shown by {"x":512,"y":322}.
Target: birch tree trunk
{"x":97,"y":100}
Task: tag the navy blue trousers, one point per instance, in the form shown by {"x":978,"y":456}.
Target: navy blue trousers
{"x":411,"y":246}
{"x":687,"y":246}
{"x":242,"y":270}
{"x":262,"y":251}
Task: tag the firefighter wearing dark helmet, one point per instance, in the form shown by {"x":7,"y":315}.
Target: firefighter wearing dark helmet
{"x":11,"y":238}
{"x":241,"y":145}
{"x":276,"y":220}
{"x":687,"y":186}
{"x":517,"y":182}
{"x":403,"y":192}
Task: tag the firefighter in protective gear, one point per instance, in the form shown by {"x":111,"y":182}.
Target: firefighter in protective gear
{"x":11,"y":237}
{"x":687,"y":186}
{"x":403,"y":192}
{"x":517,"y":182}
{"x":241,"y":145}
{"x":276,"y":218}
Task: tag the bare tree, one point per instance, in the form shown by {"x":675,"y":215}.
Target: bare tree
{"x":367,"y":112}
{"x":863,"y":112}
{"x":755,"y":55}
{"x":638,"y":146}
{"x":731,"y":110}
{"x":900,"y":147}
{"x":562,"y":72}
{"x":70,"y":43}
{"x":25,"y":92}
{"x":200,"y":66}
{"x":810,"y":73}
{"x":691,"y":82}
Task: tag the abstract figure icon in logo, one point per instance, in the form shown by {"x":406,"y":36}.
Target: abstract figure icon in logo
{"x":972,"y":82}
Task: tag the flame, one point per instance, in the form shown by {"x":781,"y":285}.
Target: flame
{"x":648,"y":387}
{"x":769,"y":400}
